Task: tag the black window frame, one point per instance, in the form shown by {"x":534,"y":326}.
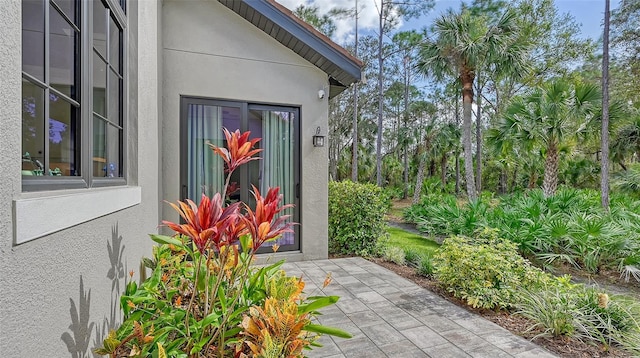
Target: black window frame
{"x":84,"y":99}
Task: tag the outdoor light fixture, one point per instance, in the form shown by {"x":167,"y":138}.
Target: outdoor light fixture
{"x":318,"y":139}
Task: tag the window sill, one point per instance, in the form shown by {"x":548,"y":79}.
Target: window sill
{"x":43,"y":213}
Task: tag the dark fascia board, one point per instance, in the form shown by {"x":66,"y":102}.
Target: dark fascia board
{"x":297,"y":30}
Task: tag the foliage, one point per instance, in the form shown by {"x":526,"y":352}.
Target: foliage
{"x":426,"y":267}
{"x":569,"y":227}
{"x":443,"y":215}
{"x":356,"y":217}
{"x":204,"y":297}
{"x":565,"y":309}
{"x":394,"y":254}
{"x":485,"y":271}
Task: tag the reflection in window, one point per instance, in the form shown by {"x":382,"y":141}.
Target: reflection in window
{"x":53,"y":94}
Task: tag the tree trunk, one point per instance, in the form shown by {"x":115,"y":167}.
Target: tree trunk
{"x":432,"y":168}
{"x":443,"y":170}
{"x":550,"y":183}
{"x":419,"y":179}
{"x":354,"y":160}
{"x":514,"y":182}
{"x":503,"y":182}
{"x":467,"y":100}
{"x":380,"y":95}
{"x":604,"y":171}
{"x":479,"y":140}
{"x":457,"y":152}
{"x":354,"y":149}
{"x":406,"y":123}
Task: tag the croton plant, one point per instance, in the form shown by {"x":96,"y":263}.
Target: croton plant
{"x":205,"y":297}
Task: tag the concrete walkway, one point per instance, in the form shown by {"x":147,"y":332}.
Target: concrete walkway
{"x":390,"y":316}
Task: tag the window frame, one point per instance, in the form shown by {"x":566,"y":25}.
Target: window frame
{"x":84,"y":13}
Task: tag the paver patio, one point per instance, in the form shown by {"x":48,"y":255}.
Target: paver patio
{"x":390,"y":316}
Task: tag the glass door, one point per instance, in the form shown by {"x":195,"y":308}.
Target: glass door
{"x":202,"y":171}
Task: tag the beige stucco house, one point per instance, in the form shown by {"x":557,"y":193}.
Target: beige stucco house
{"x":106,"y":108}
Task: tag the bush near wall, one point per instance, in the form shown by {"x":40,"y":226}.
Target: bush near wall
{"x":356,"y":217}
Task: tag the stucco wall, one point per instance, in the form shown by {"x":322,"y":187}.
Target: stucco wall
{"x":209,"y":51}
{"x":40,"y":280}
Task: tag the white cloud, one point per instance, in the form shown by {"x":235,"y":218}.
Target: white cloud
{"x":345,"y":28}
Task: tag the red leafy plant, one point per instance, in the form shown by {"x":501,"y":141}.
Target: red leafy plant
{"x":205,"y":297}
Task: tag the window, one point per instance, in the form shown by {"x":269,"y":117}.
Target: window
{"x":72,"y":93}
{"x":202,"y":121}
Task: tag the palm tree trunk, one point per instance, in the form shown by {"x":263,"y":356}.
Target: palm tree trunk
{"x":457,"y":172}
{"x":479,"y":140}
{"x":604,"y":176}
{"x":503,"y":181}
{"x":443,"y":170}
{"x":550,"y":183}
{"x":457,"y":152}
{"x":467,"y":99}
{"x":419,"y":179}
{"x":514,"y":182}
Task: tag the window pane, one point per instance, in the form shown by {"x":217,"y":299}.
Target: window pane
{"x":277,"y":165}
{"x":99,"y":147}
{"x":32,"y":129}
{"x":205,"y":168}
{"x":100,"y":28}
{"x":64,"y":137}
{"x":63,"y":55}
{"x":107,"y":148}
{"x":113,"y":168}
{"x":69,"y":9}
{"x":114,"y":98}
{"x":99,"y":85}
{"x":114,"y":44}
{"x":33,"y":38}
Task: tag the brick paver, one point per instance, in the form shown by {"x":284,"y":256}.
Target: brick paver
{"x":390,"y":316}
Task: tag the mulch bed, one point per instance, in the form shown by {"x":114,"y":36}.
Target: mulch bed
{"x":564,"y":347}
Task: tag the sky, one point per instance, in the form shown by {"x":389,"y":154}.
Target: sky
{"x":589,"y":13}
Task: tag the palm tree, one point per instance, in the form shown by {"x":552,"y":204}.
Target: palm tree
{"x":548,"y":117}
{"x":604,"y":179}
{"x":464,"y":44}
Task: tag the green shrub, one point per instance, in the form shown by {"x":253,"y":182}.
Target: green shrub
{"x":356,"y":217}
{"x":486,"y":270}
{"x":426,"y":267}
{"x":412,"y":257}
{"x":394,"y":254}
{"x":585,"y":313}
{"x":552,"y":311}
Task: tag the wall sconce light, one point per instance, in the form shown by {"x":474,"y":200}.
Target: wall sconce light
{"x":318,"y":139}
{"x":321,"y":94}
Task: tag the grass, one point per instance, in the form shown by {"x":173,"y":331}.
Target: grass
{"x":409,"y":241}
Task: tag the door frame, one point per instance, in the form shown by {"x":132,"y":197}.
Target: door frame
{"x":244,"y":107}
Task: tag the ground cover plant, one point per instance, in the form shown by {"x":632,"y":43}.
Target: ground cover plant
{"x":485,"y":271}
{"x":567,"y":228}
{"x":204,"y":297}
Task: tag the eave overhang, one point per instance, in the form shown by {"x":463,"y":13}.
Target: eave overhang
{"x":280,"y":23}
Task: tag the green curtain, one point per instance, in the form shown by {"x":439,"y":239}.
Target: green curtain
{"x":205,"y":168}
{"x":277,"y":163}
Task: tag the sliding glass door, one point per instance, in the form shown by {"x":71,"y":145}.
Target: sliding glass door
{"x":202,"y":171}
